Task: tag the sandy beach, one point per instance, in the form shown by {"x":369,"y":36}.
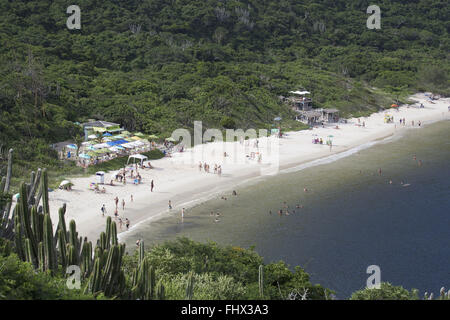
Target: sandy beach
{"x":179,"y":179}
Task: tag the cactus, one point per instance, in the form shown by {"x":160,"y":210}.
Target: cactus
{"x":190,"y":287}
{"x":261,"y":281}
{"x":49,"y":248}
{"x":62,"y":244}
{"x":160,"y":291}
{"x":44,"y":190}
{"x":8,"y":172}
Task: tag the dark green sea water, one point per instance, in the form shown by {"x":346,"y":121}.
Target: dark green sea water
{"x":349,"y":220}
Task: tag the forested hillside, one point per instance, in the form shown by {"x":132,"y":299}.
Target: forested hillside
{"x":156,"y":65}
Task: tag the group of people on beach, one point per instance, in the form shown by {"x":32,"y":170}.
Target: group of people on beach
{"x":116,"y":212}
{"x":205,"y":167}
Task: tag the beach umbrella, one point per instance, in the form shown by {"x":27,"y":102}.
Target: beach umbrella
{"x":84,"y":156}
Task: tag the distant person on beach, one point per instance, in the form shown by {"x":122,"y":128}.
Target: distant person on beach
{"x":379,"y":171}
{"x":116,"y":214}
{"x":138,"y":242}
{"x":123,"y":204}
{"x":182,"y":213}
{"x":305,"y":189}
{"x":120,"y":223}
{"x":170,"y":204}
{"x":127,"y":223}
{"x":211,"y":214}
{"x":116,"y":200}
{"x":103,"y":210}
{"x":420,"y":163}
{"x":151,"y":186}
{"x":131,"y":198}
{"x":234,"y":193}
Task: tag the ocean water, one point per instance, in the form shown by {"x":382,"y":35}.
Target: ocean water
{"x":352,"y":217}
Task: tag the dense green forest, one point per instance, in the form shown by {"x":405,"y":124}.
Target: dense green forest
{"x":156,"y":65}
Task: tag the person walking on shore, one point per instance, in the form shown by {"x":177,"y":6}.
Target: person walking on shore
{"x":127,"y":223}
{"x":116,"y":200}
{"x":170,"y":204}
{"x":123,"y":204}
{"x":151,"y":186}
{"x":103,"y":210}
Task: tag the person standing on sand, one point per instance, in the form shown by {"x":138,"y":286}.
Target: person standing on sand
{"x":123,"y":204}
{"x":116,"y":200}
{"x":116,"y":214}
{"x":120,"y":223}
{"x":182,"y":214}
{"x":170,"y":204}
{"x":127,"y":223}
{"x":151,"y":186}
{"x":131,"y":198}
{"x":379,"y":171}
{"x":103,"y":210}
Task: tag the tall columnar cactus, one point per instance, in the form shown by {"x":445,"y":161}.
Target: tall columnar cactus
{"x":8,"y":172}
{"x":190,"y":287}
{"x":49,"y":248}
{"x":261,"y":281}
{"x":160,"y":291}
{"x":44,"y":190}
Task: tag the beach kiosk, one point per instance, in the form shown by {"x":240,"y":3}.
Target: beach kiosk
{"x":141,"y":158}
{"x":100,"y":177}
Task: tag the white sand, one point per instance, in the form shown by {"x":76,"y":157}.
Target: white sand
{"x":178,"y":179}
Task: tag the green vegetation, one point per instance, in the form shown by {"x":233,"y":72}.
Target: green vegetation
{"x":154,"y":65}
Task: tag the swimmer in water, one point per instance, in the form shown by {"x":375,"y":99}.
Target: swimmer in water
{"x":270,"y":212}
{"x":390,"y":181}
{"x":211,"y":214}
{"x":305,"y":189}
{"x":414,"y":158}
{"x":379,"y":171}
{"x":280,"y":212}
{"x":420,"y":163}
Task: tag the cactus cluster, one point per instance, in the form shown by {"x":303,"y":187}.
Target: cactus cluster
{"x":143,"y":281}
{"x":31,"y":230}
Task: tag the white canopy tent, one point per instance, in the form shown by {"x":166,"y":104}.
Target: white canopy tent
{"x":140,"y":157}
{"x":302,"y":93}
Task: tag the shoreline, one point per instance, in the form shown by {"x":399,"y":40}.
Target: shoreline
{"x":178,"y":179}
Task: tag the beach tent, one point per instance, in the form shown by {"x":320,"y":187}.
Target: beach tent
{"x":101,"y":146}
{"x":300,"y":92}
{"x":139,"y":157}
{"x":84,"y":156}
